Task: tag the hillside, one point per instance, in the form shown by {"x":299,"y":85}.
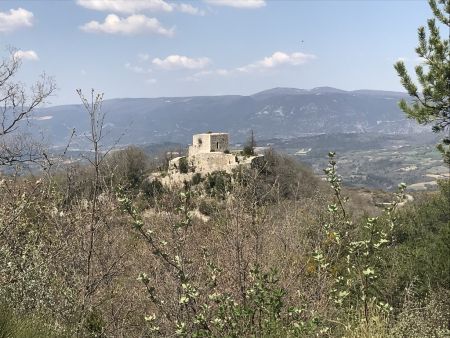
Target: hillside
{"x":274,"y":113}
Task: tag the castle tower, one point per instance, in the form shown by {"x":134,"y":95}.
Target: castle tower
{"x":208,"y":143}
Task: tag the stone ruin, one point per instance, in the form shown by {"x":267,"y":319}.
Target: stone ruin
{"x":208,"y":153}
{"x":208,"y":143}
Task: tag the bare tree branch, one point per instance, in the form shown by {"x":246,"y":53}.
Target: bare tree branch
{"x":16,"y":105}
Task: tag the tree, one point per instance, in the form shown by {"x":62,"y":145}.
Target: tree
{"x":16,"y":105}
{"x":128,"y":166}
{"x":249,"y":148}
{"x":431,"y":103}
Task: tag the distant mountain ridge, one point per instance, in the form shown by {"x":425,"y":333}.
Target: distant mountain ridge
{"x":273,"y":113}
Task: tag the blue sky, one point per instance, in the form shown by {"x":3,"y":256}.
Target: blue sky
{"x":151,"y":48}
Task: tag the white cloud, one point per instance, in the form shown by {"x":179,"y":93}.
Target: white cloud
{"x":278,"y":59}
{"x":181,"y":62}
{"x":204,"y":73}
{"x":150,"y":81}
{"x":126,"y":6}
{"x":26,"y":55}
{"x":222,"y":72}
{"x":14,"y":19}
{"x":131,"y":25}
{"x":137,"y":69}
{"x":143,"y":57}
{"x":138,"y":6}
{"x":189,"y":9}
{"x":238,"y":3}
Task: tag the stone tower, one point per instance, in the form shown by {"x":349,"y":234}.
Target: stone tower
{"x":208,"y":143}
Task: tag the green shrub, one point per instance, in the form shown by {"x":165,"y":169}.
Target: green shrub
{"x":128,"y":166}
{"x":248,"y":151}
{"x":279,"y":176}
{"x":13,"y":326}
{"x":218,"y":184}
{"x":424,"y":318}
{"x":196,"y":179}
{"x":94,"y":325}
{"x":183,"y":166}
{"x":207,"y":208}
{"x":422,"y":246}
{"x":152,"y":188}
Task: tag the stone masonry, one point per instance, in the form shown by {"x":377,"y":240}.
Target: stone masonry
{"x":208,"y":143}
{"x":208,"y":153}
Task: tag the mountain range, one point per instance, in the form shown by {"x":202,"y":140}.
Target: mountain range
{"x":275,"y":113}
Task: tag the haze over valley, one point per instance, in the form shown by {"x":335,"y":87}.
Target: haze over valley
{"x":274,"y":113}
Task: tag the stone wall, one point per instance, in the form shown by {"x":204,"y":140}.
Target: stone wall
{"x":219,"y":142}
{"x":201,"y":143}
{"x":209,"y":162}
{"x":206,"y":163}
{"x":209,"y":142}
{"x":174,"y":164}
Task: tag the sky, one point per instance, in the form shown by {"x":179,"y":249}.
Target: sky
{"x":153,"y":48}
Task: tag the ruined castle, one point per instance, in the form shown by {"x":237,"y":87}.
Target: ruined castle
{"x":208,"y":153}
